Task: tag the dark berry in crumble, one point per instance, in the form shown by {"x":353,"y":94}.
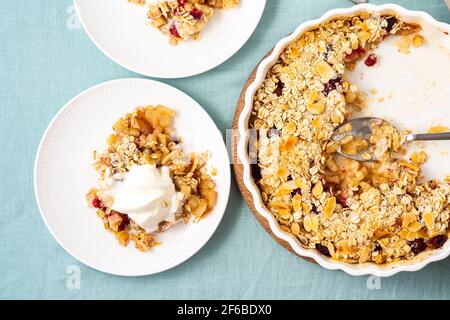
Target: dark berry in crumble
{"x":279,"y":89}
{"x":314,"y":208}
{"x":332,"y":85}
{"x":124,"y":223}
{"x":256,"y":172}
{"x":438,"y":241}
{"x":377,"y":247}
{"x":417,"y":245}
{"x":196,"y":14}
{"x":391,"y":21}
{"x":323,"y":250}
{"x":296,"y":191}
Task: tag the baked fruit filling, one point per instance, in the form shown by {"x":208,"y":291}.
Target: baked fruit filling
{"x":351,"y":211}
{"x":146,"y":182}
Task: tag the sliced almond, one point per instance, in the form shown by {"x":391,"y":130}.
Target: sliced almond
{"x":428,"y":219}
{"x":324,"y":70}
{"x":296,"y":202}
{"x":307,"y":223}
{"x":295,"y":228}
{"x":316,"y":107}
{"x":317,"y":189}
{"x":329,"y":207}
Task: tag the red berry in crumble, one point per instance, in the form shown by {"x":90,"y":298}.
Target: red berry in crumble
{"x":354,"y":55}
{"x":438,"y":241}
{"x":174,"y":31}
{"x":371,"y":60}
{"x":417,"y":245}
{"x":391,"y":21}
{"x":97,"y":203}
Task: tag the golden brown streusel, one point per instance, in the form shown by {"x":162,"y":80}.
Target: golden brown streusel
{"x":146,"y":136}
{"x":352,"y":211}
{"x":184,"y":19}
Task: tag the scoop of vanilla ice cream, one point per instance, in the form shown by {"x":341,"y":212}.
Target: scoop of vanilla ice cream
{"x":147,"y":195}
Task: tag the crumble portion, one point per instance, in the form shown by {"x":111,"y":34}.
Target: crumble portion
{"x":351,"y":211}
{"x":381,"y":143}
{"x":146,"y":136}
{"x":184,"y":19}
{"x":138,"y":2}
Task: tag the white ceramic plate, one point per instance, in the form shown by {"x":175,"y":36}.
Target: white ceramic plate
{"x":120,"y":30}
{"x":412,"y":92}
{"x":63,"y":175}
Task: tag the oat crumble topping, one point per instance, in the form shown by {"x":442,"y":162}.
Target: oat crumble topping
{"x":351,"y":211}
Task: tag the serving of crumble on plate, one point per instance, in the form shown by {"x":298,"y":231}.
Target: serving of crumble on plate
{"x":184,"y":19}
{"x":145,"y":140}
{"x":141,"y":36}
{"x":161,"y":176}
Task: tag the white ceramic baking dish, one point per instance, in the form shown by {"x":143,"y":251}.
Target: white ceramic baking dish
{"x":431,"y":28}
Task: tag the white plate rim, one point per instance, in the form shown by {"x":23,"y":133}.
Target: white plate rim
{"x":160,"y":75}
{"x":358,"y":270}
{"x":36,"y":190}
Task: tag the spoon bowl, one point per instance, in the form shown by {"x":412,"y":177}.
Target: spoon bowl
{"x":356,"y":139}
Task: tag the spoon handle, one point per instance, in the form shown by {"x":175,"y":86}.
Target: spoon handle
{"x":428,"y":136}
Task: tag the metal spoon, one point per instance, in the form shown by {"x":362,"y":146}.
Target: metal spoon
{"x":362,"y":128}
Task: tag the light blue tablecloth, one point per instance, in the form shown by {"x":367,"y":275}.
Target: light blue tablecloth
{"x":45,"y":60}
